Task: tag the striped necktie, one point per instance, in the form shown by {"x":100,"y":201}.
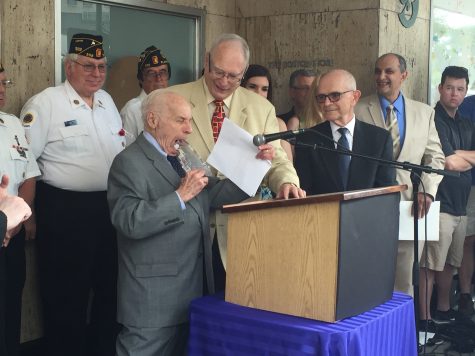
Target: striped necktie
{"x":393,"y":128}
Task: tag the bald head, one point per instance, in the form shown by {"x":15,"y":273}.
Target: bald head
{"x":343,"y":76}
{"x":337,"y":96}
{"x":167,"y":117}
{"x":162,"y":101}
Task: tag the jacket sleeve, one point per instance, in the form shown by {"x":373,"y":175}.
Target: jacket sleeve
{"x":433,"y":157}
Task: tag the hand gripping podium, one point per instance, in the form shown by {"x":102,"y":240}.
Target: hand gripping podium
{"x":324,"y":257}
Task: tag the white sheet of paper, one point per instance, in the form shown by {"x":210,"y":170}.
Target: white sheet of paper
{"x":406,"y":222}
{"x":234,"y":155}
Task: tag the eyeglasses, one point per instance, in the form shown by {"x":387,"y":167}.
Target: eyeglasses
{"x":6,"y":83}
{"x":89,"y":68}
{"x":151,"y":75}
{"x":333,"y":97}
{"x":219,"y":74}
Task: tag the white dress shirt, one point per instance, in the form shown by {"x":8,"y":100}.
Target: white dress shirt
{"x":131,"y":115}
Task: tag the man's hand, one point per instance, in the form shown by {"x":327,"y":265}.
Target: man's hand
{"x":266,"y":152}
{"x":192,"y":184}
{"x":288,"y":190}
{"x":423,"y":202}
{"x":3,"y":186}
{"x":16,"y":210}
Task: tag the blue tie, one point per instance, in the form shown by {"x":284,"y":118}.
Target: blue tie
{"x":176,"y":166}
{"x":344,"y":160}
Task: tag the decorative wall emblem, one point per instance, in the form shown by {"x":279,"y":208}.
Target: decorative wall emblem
{"x":409,"y":12}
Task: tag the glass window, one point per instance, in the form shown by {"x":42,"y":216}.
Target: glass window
{"x":128,"y":28}
{"x":453,"y":41}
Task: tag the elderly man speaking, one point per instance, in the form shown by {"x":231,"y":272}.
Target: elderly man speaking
{"x":161,"y":215}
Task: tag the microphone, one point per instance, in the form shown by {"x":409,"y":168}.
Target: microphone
{"x":262,"y":139}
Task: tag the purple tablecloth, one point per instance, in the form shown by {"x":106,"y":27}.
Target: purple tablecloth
{"x":221,"y":328}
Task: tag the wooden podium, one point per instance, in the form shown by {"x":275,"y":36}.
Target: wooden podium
{"x":324,"y":257}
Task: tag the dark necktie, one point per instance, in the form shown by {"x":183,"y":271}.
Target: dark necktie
{"x":217,"y":118}
{"x":344,"y":160}
{"x":176,"y":165}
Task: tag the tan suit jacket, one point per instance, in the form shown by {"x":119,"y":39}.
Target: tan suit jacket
{"x":421,"y":146}
{"x":251,"y":112}
{"x":421,"y":142}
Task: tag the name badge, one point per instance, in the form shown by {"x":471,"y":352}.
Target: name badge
{"x":70,"y":123}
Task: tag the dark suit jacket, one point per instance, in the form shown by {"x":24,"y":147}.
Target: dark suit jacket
{"x":318,"y":169}
{"x":162,"y":248}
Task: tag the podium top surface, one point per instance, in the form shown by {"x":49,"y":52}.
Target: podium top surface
{"x":312,"y":199}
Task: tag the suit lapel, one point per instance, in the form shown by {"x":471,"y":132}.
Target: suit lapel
{"x":159,"y":161}
{"x":411,"y":126}
{"x":238,"y":112}
{"x":375,"y":111}
{"x":360,"y":145}
{"x":330,"y":160}
{"x":199,"y":111}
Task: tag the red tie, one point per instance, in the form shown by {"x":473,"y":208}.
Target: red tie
{"x":217,"y":119}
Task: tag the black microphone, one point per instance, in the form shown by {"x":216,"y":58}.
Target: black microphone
{"x":262,"y":139}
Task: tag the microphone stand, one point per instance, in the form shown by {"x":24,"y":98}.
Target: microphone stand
{"x":416,"y":171}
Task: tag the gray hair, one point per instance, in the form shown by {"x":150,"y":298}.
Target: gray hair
{"x":401,"y":60}
{"x":228,"y":37}
{"x":300,"y":73}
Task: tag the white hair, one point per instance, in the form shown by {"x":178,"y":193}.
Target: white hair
{"x":228,"y":37}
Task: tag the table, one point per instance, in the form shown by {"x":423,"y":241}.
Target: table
{"x":221,"y":328}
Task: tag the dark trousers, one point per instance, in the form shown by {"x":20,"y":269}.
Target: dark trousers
{"x":15,"y":264}
{"x":218,"y":268}
{"x":3,"y":283}
{"x":78,"y":262}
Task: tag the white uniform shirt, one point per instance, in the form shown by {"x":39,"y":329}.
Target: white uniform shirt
{"x":16,"y":159}
{"x":74,"y":144}
{"x":132,"y":120}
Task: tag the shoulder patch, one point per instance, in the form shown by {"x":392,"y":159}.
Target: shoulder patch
{"x":28,"y":119}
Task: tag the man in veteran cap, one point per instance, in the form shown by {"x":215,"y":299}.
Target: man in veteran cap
{"x":75,"y":132}
{"x":153,"y":72}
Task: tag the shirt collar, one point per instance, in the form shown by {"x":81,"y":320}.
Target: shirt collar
{"x":75,"y":99}
{"x":142,"y":94}
{"x":440,"y":110}
{"x":398,"y":103}
{"x":148,"y":136}
{"x":350,"y":126}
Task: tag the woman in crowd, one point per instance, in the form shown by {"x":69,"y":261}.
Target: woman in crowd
{"x":258,"y":79}
{"x":311,"y":113}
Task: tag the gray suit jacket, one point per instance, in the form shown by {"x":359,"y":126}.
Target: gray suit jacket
{"x":162,"y":248}
{"x":421,"y":143}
